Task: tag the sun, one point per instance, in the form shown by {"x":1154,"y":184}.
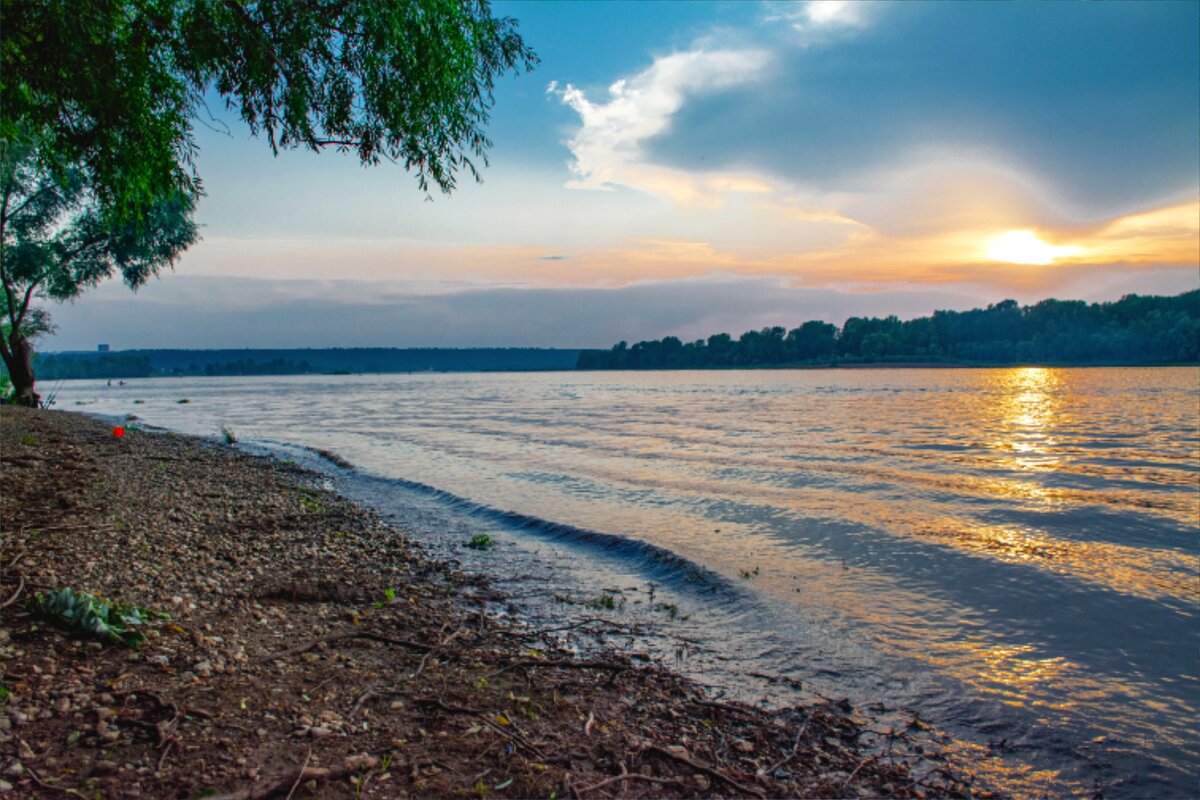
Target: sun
{"x":1024,"y":247}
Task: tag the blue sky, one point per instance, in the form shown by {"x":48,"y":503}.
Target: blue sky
{"x":683,"y":168}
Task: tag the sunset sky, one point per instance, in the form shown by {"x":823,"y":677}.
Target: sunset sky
{"x":689,"y":168}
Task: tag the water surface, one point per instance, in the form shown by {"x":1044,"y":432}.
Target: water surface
{"x":1011,"y":553}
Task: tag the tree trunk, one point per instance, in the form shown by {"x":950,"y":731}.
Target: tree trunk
{"x":20,"y":370}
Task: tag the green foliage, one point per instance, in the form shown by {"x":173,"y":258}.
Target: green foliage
{"x":97,"y":102}
{"x":86,"y":614}
{"x":1132,"y":330}
{"x":389,"y":596}
{"x":58,"y":239}
{"x":480,"y":541}
{"x":604,"y":602}
{"x":228,"y":435}
{"x":116,"y":84}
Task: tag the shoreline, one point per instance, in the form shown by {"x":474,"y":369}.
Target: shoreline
{"x":313,"y":649}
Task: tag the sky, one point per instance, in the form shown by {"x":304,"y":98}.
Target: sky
{"x":687,"y":168}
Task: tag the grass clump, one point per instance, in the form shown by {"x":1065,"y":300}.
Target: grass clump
{"x":89,"y":615}
{"x":308,"y":499}
{"x":480,"y":541}
{"x":228,"y":435}
{"x":604,"y":602}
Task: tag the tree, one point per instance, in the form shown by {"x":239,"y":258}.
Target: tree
{"x":117,"y":84}
{"x":812,"y":340}
{"x":111,"y":89}
{"x":57,"y":238}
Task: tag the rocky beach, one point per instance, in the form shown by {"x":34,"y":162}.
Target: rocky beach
{"x":298,"y":646}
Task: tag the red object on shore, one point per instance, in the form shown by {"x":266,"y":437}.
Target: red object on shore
{"x":118,"y":431}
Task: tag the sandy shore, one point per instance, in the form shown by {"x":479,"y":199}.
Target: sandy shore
{"x":311,"y":650}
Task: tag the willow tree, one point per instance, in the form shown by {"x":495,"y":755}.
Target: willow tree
{"x":114,"y":87}
{"x":59,"y":239}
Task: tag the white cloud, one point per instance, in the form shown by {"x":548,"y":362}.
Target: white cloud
{"x":819,"y":21}
{"x":835,"y":12}
{"x":608,"y":148}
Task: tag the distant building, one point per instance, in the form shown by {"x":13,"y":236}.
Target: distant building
{"x":103,"y":348}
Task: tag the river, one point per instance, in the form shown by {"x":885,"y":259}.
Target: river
{"x":1011,"y":554}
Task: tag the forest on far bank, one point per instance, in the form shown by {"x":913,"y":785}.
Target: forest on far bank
{"x":297,"y":361}
{"x":1133,"y":330}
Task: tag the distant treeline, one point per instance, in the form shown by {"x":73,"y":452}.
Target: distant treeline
{"x":147,"y":363}
{"x":56,"y":366}
{"x":1132,"y":330}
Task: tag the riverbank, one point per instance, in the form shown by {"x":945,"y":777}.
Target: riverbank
{"x":311,"y":650}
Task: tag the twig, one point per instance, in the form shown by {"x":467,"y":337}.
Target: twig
{"x":287,"y":783}
{"x":166,"y":749}
{"x":705,"y":769}
{"x":512,"y":735}
{"x":861,"y":764}
{"x":425,"y":659}
{"x":337,"y":637}
{"x":625,"y":775}
{"x":795,"y":748}
{"x":612,"y":666}
{"x":36,"y":779}
{"x":299,"y":774}
{"x":15,"y":595}
{"x":322,"y":684}
{"x":362,"y":698}
{"x":590,"y":620}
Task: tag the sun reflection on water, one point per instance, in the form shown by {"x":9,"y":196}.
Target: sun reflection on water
{"x":1010,"y":670}
{"x":1029,"y":414}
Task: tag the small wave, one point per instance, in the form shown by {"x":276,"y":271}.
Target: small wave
{"x":332,"y":457}
{"x":663,"y":564}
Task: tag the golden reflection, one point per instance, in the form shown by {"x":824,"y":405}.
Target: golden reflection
{"x":1010,"y":671}
{"x":1141,"y":572}
{"x":1029,"y":411}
